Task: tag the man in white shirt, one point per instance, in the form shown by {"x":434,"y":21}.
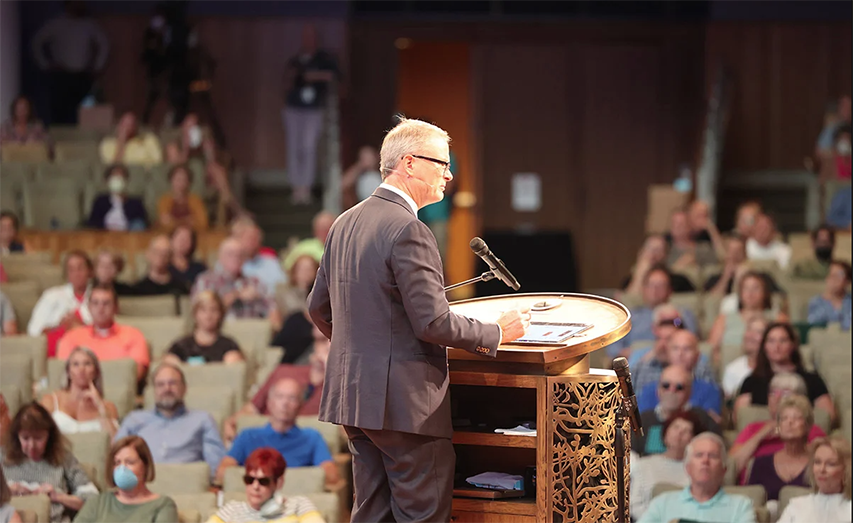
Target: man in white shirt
{"x":764,"y":245}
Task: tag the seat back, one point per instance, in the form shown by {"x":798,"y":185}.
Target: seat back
{"x":232,"y":376}
{"x":57,"y":204}
{"x":251,"y":421}
{"x":181,"y":478}
{"x":148,"y":306}
{"x":92,"y":448}
{"x":202,"y":502}
{"x":17,"y":371}
{"x":35,"y":152}
{"x":38,"y":504}
{"x":750,"y":414}
{"x":790,"y":491}
{"x":160,"y":331}
{"x":33,"y":347}
{"x":331,"y":433}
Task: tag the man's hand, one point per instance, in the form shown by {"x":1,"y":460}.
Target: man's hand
{"x":514,"y":324}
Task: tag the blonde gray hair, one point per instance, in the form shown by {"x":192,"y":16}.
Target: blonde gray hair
{"x":841,"y":447}
{"x":788,"y":381}
{"x":799,"y":403}
{"x":406,"y":138}
{"x":65,"y":383}
{"x":706,"y":435}
{"x":662,"y":308}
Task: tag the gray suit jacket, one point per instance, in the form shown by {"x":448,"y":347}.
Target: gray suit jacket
{"x":379,"y":296}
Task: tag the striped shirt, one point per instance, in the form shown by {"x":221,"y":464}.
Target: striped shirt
{"x":297,"y":509}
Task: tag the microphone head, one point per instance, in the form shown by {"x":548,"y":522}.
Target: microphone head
{"x":620,"y":365}
{"x":478,"y":246}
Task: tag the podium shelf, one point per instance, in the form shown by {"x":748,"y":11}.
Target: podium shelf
{"x":493,"y":440}
{"x":516,"y":506}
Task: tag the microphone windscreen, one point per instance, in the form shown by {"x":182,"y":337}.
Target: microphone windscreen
{"x":478,"y":245}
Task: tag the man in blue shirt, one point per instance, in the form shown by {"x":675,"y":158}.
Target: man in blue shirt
{"x":704,"y":499}
{"x":173,"y":433}
{"x":300,"y":447}
{"x":258,"y":263}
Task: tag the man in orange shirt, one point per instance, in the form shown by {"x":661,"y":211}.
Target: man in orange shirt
{"x":106,"y":338}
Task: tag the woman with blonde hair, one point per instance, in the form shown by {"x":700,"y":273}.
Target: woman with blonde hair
{"x":206,"y":344}
{"x":8,"y":514}
{"x":79,"y":406}
{"x":829,"y":475}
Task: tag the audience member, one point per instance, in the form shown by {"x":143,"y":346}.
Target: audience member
{"x":72,"y":49}
{"x":733,"y":263}
{"x":667,"y":467}
{"x":4,"y":278}
{"x":159,"y":279}
{"x":837,"y":114}
{"x":674,"y":388}
{"x":657,"y":289}
{"x":702,"y":227}
{"x":780,"y":352}
{"x":191,"y":145}
{"x":129,"y":468}
{"x":765,"y":245}
{"x":301,"y":447}
{"x":36,"y":460}
{"x":64,"y":307}
{"x":5,"y":421}
{"x":180,"y":206}
{"x":9,"y":241}
{"x":106,"y":338}
{"x":267,"y":269}
{"x":682,"y":349}
{"x":315,"y":245}
{"x":311,"y":376}
{"x":295,"y":337}
{"x":183,"y":266}
{"x":836,"y":165}
{"x":129,"y":146}
{"x":116,"y":211}
{"x":745,"y":218}
{"x":841,"y":209}
{"x":23,"y":127}
{"x":108,"y":265}
{"x":176,"y":433}
{"x":834,"y":305}
{"x":264,"y":477}
{"x":829,"y":475}
{"x":309,"y":74}
{"x":290,"y":297}
{"x":704,"y":499}
{"x":79,"y":406}
{"x":753,"y":300}
{"x":8,"y":514}
{"x":243,"y":296}
{"x":761,"y":438}
{"x":652,"y":254}
{"x":8,"y":320}
{"x":361,"y":178}
{"x":742,"y":366}
{"x":823,"y":243}
{"x":206,"y":344}
{"x":684,"y":251}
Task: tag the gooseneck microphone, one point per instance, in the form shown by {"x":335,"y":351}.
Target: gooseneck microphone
{"x":482,"y":250}
{"x":620,"y":366}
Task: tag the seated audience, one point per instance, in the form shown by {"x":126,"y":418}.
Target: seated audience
{"x":180,"y":206}
{"x":5,"y":421}
{"x":310,"y":376}
{"x":839,"y":165}
{"x":721,"y":284}
{"x":243,"y":296}
{"x":321,"y":225}
{"x":192,"y":144}
{"x":8,"y":514}
{"x":682,"y":349}
{"x":291,"y":296}
{"x":361,"y":178}
{"x":745,"y":217}
{"x":177,"y":434}
{"x":295,"y":337}
{"x":9,"y":227}
{"x":829,"y":475}
{"x":833,"y":306}
{"x":648,"y":363}
{"x":267,"y":269}
{"x":106,"y":338}
{"x":840,"y":209}
{"x":108,"y":265}
{"x":673,"y":397}
{"x":79,"y":406}
{"x":129,"y":499}
{"x":794,"y":419}
{"x":129,"y":146}
{"x":684,"y":251}
{"x":704,"y":499}
{"x":23,"y":126}
{"x":652,"y":254}
{"x":702,"y":228}
{"x":837,"y":114}
{"x":668,"y":467}
{"x":8,"y":320}
{"x":761,"y":438}
{"x":37,"y":460}
{"x":64,"y":307}
{"x":182,"y":265}
{"x":116,"y":211}
{"x":657,"y":289}
{"x":742,"y":366}
{"x":780,"y":352}
{"x":300,"y":447}
{"x":206,"y":344}
{"x":823,"y":243}
{"x":764,"y":244}
{"x":264,"y":478}
{"x":159,"y":279}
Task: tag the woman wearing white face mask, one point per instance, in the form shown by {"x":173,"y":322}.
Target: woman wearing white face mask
{"x":129,"y":467}
{"x":192,"y":145}
{"x":179,"y":206}
{"x":115,"y":210}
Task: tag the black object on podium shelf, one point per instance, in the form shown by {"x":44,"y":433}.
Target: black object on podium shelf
{"x":541,"y":262}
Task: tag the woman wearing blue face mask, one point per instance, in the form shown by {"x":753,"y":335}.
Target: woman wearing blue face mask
{"x":115,"y":210}
{"x":129,"y":467}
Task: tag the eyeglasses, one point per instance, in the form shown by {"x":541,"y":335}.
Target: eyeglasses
{"x":264,"y":482}
{"x":433,"y":160}
{"x":665,"y":385}
{"x":675,"y":322}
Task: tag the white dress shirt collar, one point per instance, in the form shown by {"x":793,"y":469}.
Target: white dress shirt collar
{"x":405,"y":196}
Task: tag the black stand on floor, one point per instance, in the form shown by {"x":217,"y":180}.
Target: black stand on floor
{"x":619,"y":448}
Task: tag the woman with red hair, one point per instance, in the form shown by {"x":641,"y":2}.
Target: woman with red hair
{"x":264,"y":476}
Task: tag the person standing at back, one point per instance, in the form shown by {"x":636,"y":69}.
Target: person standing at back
{"x":380,"y":284}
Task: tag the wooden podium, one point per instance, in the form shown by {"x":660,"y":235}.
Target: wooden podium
{"x":574,"y":408}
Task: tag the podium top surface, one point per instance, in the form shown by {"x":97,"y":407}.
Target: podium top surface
{"x":610,"y":322}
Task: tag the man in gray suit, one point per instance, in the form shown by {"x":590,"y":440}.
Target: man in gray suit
{"x":379,"y":296}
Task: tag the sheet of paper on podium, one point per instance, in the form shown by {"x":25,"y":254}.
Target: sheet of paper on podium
{"x":542,"y":333}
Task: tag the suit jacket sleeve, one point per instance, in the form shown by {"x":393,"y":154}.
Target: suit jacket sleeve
{"x":319,"y":302}
{"x":417,"y":270}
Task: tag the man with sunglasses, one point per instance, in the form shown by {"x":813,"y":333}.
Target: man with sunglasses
{"x":381,"y":286}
